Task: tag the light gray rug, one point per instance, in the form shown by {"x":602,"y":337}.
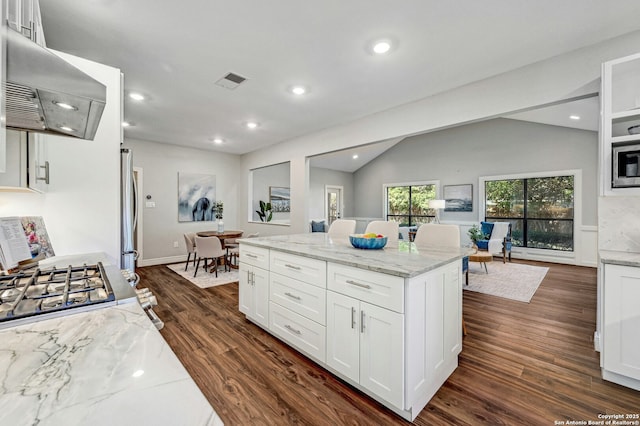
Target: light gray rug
{"x":204,"y":279}
{"x":510,"y":280}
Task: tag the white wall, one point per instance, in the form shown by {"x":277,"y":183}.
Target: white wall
{"x":160,"y":164}
{"x":565,"y":77}
{"x":82,"y":206}
{"x":318,"y":179}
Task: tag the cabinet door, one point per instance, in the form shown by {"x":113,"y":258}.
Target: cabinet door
{"x":382,"y":353}
{"x":245,"y":290}
{"x":453,"y":309}
{"x":261,"y":296}
{"x":343,"y":334}
{"x":621,"y":310}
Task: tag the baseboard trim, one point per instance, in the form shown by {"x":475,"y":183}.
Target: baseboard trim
{"x":161,"y":260}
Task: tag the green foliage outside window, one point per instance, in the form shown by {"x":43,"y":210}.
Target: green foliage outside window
{"x":409,"y":205}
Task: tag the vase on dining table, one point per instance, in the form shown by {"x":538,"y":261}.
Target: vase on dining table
{"x":220,"y":226}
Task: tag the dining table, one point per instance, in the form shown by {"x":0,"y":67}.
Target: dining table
{"x":224,"y":235}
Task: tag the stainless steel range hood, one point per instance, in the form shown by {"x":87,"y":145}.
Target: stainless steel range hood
{"x":46,"y":94}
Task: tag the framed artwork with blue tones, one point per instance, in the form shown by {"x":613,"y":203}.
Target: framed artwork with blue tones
{"x":196,"y":197}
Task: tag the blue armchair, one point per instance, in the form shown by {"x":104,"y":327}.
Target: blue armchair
{"x":499,"y":241}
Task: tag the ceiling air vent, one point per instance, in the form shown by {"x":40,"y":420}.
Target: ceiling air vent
{"x":231,"y":81}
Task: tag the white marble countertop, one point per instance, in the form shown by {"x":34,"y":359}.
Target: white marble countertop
{"x":403,"y":260}
{"x":104,"y":367}
{"x":623,"y":258}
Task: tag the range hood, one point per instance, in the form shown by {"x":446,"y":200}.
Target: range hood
{"x":46,"y":94}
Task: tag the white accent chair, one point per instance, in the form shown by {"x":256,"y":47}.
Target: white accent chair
{"x":500,"y":240}
{"x":342,"y":228}
{"x":209,"y":248}
{"x":437,"y":235}
{"x":384,"y":227}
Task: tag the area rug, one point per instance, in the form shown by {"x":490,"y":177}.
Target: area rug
{"x":509,"y":280}
{"x":204,"y":279}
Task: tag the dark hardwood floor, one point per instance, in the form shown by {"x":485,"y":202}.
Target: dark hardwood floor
{"x":521,"y":364}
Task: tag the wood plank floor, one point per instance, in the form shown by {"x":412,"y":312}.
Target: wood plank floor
{"x":521,"y":364}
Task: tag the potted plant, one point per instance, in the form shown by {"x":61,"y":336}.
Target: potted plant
{"x":218,"y":209}
{"x":475,"y":234}
{"x":265,"y":212}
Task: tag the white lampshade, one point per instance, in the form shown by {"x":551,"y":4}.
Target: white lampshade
{"x":436,"y":204}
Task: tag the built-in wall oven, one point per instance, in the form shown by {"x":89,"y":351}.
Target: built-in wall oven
{"x":626,"y":164}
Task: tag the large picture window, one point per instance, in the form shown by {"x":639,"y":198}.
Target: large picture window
{"x":540,"y":209}
{"x":409,"y":204}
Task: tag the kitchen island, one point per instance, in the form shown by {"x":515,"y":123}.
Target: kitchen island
{"x":102,"y":367}
{"x":388,"y":322}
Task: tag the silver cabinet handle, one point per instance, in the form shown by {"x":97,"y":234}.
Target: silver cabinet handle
{"x":297,"y":268}
{"x":361,"y":321}
{"x":353,"y":317}
{"x":253,"y":278}
{"x":293,"y":296}
{"x":253,"y":256}
{"x":291,"y":329}
{"x":46,"y":173}
{"x":357,"y":284}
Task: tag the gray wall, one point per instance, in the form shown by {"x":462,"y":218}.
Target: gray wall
{"x":161,"y":164}
{"x":462,"y":154}
{"x":318,"y":178}
{"x":264,"y":178}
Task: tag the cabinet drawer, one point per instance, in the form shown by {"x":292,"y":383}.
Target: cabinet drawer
{"x":256,"y":256}
{"x":311,"y":271}
{"x":305,"y":335}
{"x":383,"y":290}
{"x":304,"y":299}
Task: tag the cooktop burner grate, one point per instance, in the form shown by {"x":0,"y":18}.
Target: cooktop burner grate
{"x":35,"y":292}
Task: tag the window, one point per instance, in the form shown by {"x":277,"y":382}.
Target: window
{"x":540,"y":209}
{"x":409,"y":204}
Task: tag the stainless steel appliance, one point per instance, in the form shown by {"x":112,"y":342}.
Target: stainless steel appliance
{"x":626,"y":164}
{"x":129,"y":211}
{"x":39,"y":294}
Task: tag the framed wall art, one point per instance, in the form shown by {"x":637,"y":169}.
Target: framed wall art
{"x":196,"y":197}
{"x":458,"y":198}
{"x":280,"y":199}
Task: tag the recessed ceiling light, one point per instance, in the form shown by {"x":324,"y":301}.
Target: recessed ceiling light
{"x":355,"y":156}
{"x":252,"y":124}
{"x":574,"y":117}
{"x":217,"y":141}
{"x":381,"y":47}
{"x":136,"y":96}
{"x":137,"y":373}
{"x":298,"y":90}
{"x":66,"y":129}
{"x":65,"y":105}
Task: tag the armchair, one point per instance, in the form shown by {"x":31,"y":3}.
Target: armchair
{"x":499,"y":238}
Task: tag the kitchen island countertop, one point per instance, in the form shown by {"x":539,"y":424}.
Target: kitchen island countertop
{"x":404,"y":259}
{"x":622,"y":258}
{"x":103,"y":367}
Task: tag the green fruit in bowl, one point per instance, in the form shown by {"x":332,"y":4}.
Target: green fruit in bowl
{"x":370,"y":235}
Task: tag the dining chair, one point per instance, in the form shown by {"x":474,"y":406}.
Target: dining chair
{"x":342,"y":228}
{"x":437,"y":235}
{"x":387,"y":228}
{"x":190,"y":243}
{"x":209,"y":248}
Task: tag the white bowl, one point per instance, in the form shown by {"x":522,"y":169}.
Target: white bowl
{"x":634,"y":130}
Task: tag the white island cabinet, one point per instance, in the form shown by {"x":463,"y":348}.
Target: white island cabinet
{"x":386,"y":321}
{"x":254,"y":284}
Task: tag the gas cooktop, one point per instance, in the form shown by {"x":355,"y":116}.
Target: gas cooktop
{"x":37,"y":292}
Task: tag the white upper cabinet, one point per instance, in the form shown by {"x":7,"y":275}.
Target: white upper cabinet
{"x":620,"y":113}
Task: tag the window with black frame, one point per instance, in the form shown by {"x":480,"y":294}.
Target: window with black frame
{"x":540,"y":210}
{"x":409,"y":204}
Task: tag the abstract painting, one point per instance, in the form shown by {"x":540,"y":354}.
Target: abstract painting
{"x":458,"y":198}
{"x":279,"y":197}
{"x":196,"y":197}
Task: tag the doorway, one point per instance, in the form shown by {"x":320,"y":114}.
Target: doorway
{"x":333,"y":207}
